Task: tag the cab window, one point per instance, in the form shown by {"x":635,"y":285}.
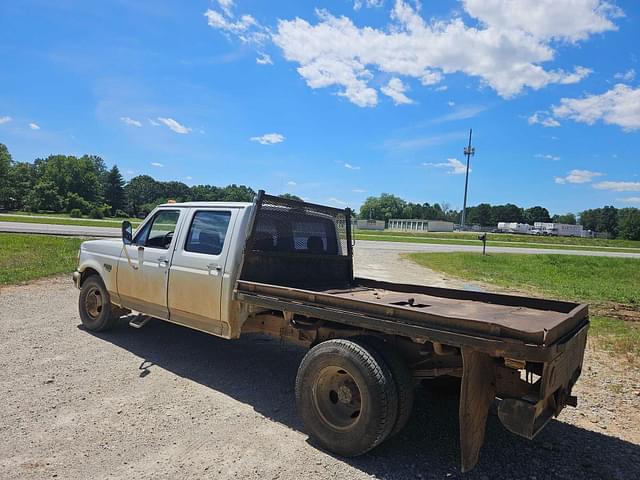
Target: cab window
{"x":207,"y":232}
{"x":158,"y":233}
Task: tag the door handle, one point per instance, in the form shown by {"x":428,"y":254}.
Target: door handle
{"x":214,"y":269}
{"x":163,"y":262}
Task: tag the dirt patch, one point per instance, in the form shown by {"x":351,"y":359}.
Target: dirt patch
{"x":75,"y":406}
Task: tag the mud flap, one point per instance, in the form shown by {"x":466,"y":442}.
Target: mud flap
{"x":477,"y":391}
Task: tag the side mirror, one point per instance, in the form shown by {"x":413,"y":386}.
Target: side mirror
{"x":127,"y":232}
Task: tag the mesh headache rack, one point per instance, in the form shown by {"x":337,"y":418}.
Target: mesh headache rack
{"x":295,"y":243}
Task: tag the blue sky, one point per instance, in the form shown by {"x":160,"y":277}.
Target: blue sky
{"x":336,"y":101}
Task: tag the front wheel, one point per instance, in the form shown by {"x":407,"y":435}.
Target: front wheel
{"x":95,"y":307}
{"x":346,"y":396}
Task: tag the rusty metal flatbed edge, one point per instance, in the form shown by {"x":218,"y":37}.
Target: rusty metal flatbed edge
{"x":279,"y":298}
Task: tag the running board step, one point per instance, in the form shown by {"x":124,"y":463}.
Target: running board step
{"x":139,"y":321}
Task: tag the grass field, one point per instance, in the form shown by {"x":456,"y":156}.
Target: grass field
{"x":26,"y":257}
{"x":511,"y":238}
{"x":610,"y":285}
{"x":67,"y":221}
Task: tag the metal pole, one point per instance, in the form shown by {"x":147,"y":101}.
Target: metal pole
{"x":468,"y":152}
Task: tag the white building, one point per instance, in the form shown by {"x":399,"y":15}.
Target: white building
{"x":514,"y":227}
{"x":559,"y":229}
{"x":419,"y":225}
{"x":370,"y":224}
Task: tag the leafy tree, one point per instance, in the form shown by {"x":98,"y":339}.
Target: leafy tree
{"x":71,"y":174}
{"x":44,"y":197}
{"x":590,"y":219}
{"x":73,"y":201}
{"x":536,"y":214}
{"x":114,"y":190}
{"x":291,"y":196}
{"x":142,"y":190}
{"x":609,"y":220}
{"x":629,"y":223}
{"x":6,"y":190}
{"x":568,"y":218}
{"x":23,"y":178}
{"x":384,"y":207}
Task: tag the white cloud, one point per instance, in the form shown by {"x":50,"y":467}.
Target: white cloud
{"x":130,"y":172}
{"x":461,"y":112}
{"x":442,"y":88}
{"x":264,"y":59}
{"x":395,"y":89}
{"x":188,"y":177}
{"x":627,"y":76}
{"x":246,"y":28}
{"x":174,"y":125}
{"x":618,"y":106}
{"x":618,"y":186}
{"x":451,"y":104}
{"x":578,"y":176}
{"x":5,"y":119}
{"x":269,"y":138}
{"x":130,"y":121}
{"x":544,"y":119}
{"x":569,"y":20}
{"x":291,"y":183}
{"x":226,"y":6}
{"x":547,"y":156}
{"x":358,"y":190}
{"x":357,"y":4}
{"x":34,"y":126}
{"x":454,"y":166}
{"x":505,"y":52}
{"x":351,"y":167}
{"x":630,"y":200}
{"x":156,"y":164}
{"x":153,"y":122}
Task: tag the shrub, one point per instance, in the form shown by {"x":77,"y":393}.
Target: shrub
{"x":74,"y":201}
{"x":75,"y":213}
{"x":121,"y":214}
{"x":96,"y":212}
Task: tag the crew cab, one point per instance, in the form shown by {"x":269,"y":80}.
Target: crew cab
{"x":285,"y":268}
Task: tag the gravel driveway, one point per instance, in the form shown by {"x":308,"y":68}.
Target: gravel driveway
{"x":168,"y":402}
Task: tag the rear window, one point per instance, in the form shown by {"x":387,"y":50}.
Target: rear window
{"x":295,"y":233}
{"x":207,"y":232}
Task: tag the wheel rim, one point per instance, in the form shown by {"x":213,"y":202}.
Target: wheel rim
{"x":337,"y":398}
{"x":93,"y":302}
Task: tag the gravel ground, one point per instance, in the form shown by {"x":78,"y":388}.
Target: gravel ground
{"x":168,"y":402}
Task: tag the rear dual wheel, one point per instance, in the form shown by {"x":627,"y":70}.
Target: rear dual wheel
{"x":347,"y":396}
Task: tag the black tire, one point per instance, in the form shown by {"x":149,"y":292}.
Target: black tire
{"x":346,"y":396}
{"x":402,"y":378}
{"x":94,"y":304}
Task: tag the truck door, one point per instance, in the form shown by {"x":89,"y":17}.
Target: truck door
{"x":143,"y":286}
{"x":198,"y":268}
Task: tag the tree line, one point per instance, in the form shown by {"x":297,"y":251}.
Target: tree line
{"x":616,"y":223}
{"x":84,"y":186}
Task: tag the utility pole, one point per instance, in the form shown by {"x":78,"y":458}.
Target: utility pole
{"x":468,"y":151}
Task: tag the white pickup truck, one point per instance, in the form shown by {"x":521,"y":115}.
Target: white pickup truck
{"x":285,"y":268}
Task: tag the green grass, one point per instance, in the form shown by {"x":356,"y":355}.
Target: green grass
{"x":473,"y":240}
{"x":617,"y":335}
{"x":67,"y":221}
{"x":610,"y":285}
{"x":27,"y":257}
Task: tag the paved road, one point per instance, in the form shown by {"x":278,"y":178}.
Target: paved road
{"x":407,"y":247}
{"x":72,"y":230}
{"x":390,"y":247}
